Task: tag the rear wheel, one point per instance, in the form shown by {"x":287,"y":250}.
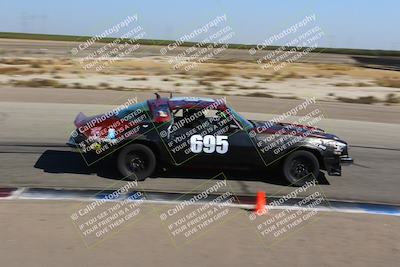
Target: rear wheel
{"x":136,"y":162}
{"x":300,"y":166}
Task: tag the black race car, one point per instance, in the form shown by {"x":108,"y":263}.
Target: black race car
{"x":164,"y":132}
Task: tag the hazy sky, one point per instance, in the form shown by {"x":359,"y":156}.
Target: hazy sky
{"x":346,"y":23}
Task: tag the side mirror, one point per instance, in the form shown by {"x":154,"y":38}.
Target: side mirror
{"x":233,"y":127}
{"x":169,"y":131}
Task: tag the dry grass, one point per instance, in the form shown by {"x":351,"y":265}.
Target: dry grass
{"x":204,"y":82}
{"x":10,"y":70}
{"x":230,"y":85}
{"x":324,"y":75}
{"x":15,"y":61}
{"x":292,"y":75}
{"x":38,"y":83}
{"x":243,"y":87}
{"x":216,"y":73}
{"x":334,"y":67}
{"x":210,"y":77}
{"x":362,"y":84}
{"x":358,"y":84}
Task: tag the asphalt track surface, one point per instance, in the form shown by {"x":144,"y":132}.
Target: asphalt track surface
{"x":233,"y":243}
{"x":32,"y":150}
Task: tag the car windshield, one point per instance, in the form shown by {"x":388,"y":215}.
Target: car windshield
{"x":246,"y":124}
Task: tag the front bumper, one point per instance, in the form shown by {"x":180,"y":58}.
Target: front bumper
{"x":346,"y":160}
{"x":333,"y":165}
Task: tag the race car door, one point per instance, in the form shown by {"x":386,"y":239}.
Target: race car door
{"x":211,"y":138}
{"x":226,"y":143}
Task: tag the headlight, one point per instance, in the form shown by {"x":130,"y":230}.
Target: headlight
{"x":337,"y":146}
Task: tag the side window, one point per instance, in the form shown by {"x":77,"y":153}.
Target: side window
{"x":139,"y":111}
{"x":178,"y":114}
{"x":225,"y":120}
{"x":211,"y":113}
{"x":188,"y":118}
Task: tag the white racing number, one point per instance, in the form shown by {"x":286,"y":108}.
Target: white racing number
{"x":209,"y":144}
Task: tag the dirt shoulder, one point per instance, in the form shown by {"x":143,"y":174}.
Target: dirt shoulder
{"x":36,"y":64}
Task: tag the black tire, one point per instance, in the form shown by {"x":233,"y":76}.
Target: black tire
{"x":136,"y":162}
{"x":299,"y":167}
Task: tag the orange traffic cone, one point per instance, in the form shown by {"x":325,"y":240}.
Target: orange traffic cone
{"x":260,"y":204}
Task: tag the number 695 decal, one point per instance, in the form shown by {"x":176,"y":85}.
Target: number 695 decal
{"x":209,"y":144}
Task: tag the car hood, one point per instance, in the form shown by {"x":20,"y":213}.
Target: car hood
{"x":269,"y":127}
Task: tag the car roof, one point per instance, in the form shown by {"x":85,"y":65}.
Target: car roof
{"x":161,"y":106}
{"x":196,"y":103}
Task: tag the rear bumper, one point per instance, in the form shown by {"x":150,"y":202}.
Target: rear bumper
{"x":73,"y":145}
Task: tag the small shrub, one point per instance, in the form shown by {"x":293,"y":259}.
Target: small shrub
{"x":37,"y":83}
{"x":293,"y":75}
{"x":360,"y":100}
{"x":343,"y":84}
{"x":36,"y":65}
{"x":204,"y":82}
{"x":362,"y":84}
{"x":104,"y":85}
{"x":138,"y":79}
{"x":260,"y":94}
{"x":392,"y":99}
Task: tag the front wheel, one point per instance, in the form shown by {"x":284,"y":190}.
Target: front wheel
{"x":136,"y":162}
{"x":300,"y":166}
